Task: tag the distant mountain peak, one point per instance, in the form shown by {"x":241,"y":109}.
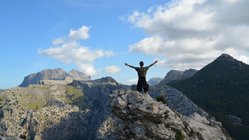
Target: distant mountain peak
{"x":173,"y":75}
{"x":225,"y":57}
{"x":53,"y":74}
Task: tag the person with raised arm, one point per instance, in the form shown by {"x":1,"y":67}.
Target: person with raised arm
{"x":142,"y":84}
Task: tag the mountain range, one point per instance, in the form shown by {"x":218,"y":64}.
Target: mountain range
{"x":102,"y":109}
{"x":97,"y":109}
{"x":187,"y":104}
{"x":222,"y":89}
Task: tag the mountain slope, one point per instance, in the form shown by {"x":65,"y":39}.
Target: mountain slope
{"x":221,"y":88}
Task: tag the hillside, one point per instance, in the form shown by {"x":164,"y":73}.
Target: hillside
{"x":221,"y":88}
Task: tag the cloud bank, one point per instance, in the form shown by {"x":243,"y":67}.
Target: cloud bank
{"x":191,"y":33}
{"x":68,"y":50}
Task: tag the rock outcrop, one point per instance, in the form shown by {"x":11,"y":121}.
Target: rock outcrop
{"x":139,"y":116}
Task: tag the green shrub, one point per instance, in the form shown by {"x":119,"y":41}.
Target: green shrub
{"x":179,"y":135}
{"x":161,"y":98}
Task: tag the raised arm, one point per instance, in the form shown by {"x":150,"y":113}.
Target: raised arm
{"x":153,"y":63}
{"x":129,"y":65}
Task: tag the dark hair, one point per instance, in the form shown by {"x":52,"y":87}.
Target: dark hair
{"x":141,"y":63}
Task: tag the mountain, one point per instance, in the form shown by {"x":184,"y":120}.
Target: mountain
{"x":175,"y":75}
{"x":154,"y":81}
{"x":99,"y":109}
{"x":221,"y":88}
{"x":52,"y":74}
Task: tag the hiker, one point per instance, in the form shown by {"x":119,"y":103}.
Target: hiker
{"x":141,"y":72}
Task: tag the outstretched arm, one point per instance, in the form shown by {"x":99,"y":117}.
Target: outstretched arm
{"x":153,"y":63}
{"x":129,"y":65}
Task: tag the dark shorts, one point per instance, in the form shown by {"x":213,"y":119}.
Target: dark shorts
{"x":142,"y":85}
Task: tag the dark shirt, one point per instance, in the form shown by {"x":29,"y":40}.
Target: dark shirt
{"x":141,"y":71}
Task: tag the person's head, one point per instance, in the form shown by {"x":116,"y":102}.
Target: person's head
{"x":141,"y":63}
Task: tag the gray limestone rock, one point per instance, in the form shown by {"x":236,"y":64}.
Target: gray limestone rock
{"x":145,"y":118}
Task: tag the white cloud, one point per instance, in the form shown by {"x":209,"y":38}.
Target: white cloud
{"x":70,"y":51}
{"x":81,"y":33}
{"x":191,"y":33}
{"x":112,"y":69}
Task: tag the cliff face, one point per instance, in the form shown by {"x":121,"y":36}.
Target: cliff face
{"x":138,"y":116}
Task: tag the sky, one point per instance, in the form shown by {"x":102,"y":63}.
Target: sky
{"x":98,"y":36}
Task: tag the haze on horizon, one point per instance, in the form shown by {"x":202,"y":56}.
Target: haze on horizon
{"x":97,"y":37}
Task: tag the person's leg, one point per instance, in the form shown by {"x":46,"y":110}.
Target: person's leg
{"x":139,"y":88}
{"x":146,"y":88}
{"x":139,"y":85}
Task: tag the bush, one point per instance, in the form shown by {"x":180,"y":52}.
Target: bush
{"x":161,"y":98}
{"x":179,"y":135}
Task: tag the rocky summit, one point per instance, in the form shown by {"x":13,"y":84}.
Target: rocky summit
{"x":139,"y":116}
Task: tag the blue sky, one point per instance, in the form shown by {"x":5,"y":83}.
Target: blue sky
{"x":104,"y":34}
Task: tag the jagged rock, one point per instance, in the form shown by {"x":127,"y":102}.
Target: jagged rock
{"x":139,"y":116}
